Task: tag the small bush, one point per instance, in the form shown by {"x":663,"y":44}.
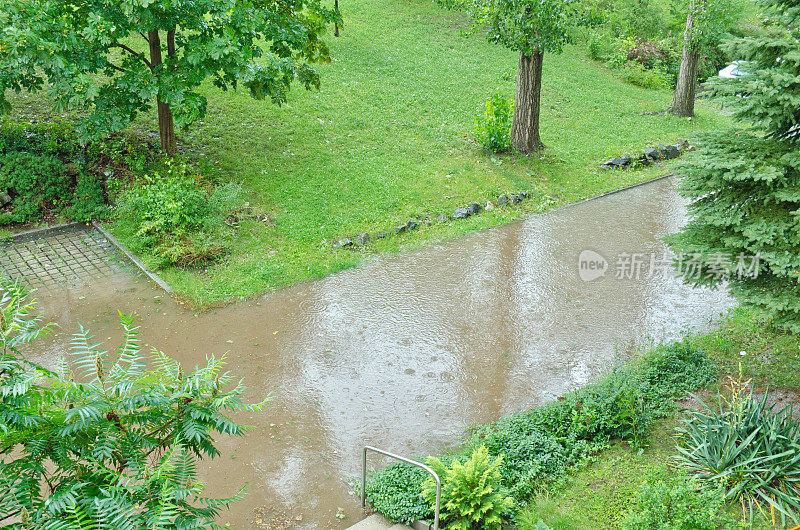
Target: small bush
{"x":648,"y":54}
{"x":678,"y":504}
{"x":36,"y":183}
{"x":493,"y":126}
{"x":673,"y":371}
{"x":175,"y":216}
{"x":751,"y":450}
{"x":396,"y":492}
{"x":471,"y":494}
{"x":601,"y":46}
{"x":89,"y":201}
{"x":124,"y":151}
{"x":638,"y":75}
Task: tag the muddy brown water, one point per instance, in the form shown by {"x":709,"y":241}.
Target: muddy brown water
{"x":406,"y":353}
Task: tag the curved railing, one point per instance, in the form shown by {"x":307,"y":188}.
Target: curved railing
{"x":407,"y":461}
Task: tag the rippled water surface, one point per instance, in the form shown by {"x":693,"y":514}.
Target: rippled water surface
{"x":406,"y":353}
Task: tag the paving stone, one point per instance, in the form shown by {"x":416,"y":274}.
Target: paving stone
{"x":68,"y":256}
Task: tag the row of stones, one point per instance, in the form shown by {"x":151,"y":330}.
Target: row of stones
{"x":650,"y":155}
{"x":412,"y":224}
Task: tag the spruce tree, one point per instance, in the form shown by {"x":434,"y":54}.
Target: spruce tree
{"x":743,"y":185}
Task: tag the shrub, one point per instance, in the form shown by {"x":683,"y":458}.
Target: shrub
{"x":748,"y":448}
{"x":396,"y":492}
{"x":471,"y":494}
{"x":124,"y":151}
{"x":50,"y":138}
{"x":175,"y":216}
{"x":648,"y":54}
{"x":89,"y":201}
{"x":677,"y":504}
{"x":541,"y":445}
{"x":673,"y":371}
{"x":601,"y":46}
{"x":638,"y":75}
{"x":36,"y":182}
{"x":493,"y":127}
{"x":106,"y":442}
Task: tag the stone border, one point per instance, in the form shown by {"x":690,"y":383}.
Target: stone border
{"x":649,"y":156}
{"x":460,"y":213}
{"x":364,"y":238}
{"x":34,"y":232}
{"x":136,"y":261}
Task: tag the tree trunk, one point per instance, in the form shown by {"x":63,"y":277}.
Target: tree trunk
{"x":683,"y":101}
{"x":525,"y":129}
{"x":336,"y":24}
{"x":166,"y":125}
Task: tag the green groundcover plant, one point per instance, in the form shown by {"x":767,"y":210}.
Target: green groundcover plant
{"x":44,"y":170}
{"x":106,"y":440}
{"x":540,"y":446}
{"x":678,"y":504}
{"x":38,"y":183}
{"x":177,"y":216}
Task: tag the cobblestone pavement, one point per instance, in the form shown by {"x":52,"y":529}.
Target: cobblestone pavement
{"x":62,"y":257}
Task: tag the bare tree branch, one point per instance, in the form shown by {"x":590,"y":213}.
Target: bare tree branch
{"x":115,"y":67}
{"x":139,"y":55}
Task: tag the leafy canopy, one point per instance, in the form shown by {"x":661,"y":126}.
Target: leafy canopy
{"x":106,"y":441}
{"x":93,"y":55}
{"x":712,"y":20}
{"x":527,"y":26}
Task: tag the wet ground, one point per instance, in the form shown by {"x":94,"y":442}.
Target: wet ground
{"x":406,"y":353}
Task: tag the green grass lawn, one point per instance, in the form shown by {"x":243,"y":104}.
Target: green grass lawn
{"x":599,"y":495}
{"x":388,"y":138}
{"x":746,"y":345}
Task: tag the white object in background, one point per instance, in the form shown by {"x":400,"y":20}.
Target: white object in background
{"x":731,"y":71}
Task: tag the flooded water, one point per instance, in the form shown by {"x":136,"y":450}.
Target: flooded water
{"x":406,"y":353}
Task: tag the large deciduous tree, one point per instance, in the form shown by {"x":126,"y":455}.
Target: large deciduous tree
{"x":114,"y":60}
{"x":706,"y":22}
{"x":744,"y":185}
{"x":532,"y":27}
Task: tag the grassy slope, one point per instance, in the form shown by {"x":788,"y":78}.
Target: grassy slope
{"x":387,"y":139}
{"x":598,"y":496}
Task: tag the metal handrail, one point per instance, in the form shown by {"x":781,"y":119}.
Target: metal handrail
{"x":407,"y":461}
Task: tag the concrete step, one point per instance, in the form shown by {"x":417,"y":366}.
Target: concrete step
{"x":378,"y":522}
